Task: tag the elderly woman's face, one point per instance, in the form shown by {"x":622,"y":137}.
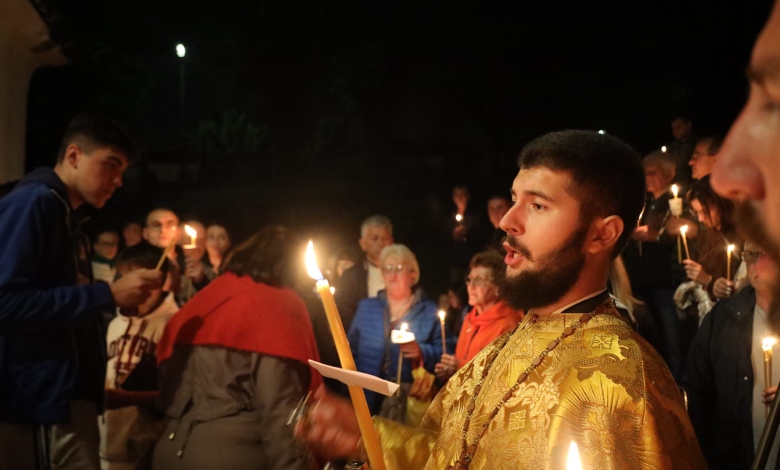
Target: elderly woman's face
{"x":656,"y":179}
{"x":398,"y":276}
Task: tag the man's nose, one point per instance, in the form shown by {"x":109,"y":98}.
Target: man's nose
{"x":735,"y":173}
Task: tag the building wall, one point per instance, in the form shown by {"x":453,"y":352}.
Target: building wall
{"x":24,"y":47}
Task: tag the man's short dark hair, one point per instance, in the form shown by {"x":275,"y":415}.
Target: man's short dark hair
{"x":491,"y":260}
{"x":714,"y":142}
{"x":607,"y":175}
{"x":144,"y":255}
{"x":685,"y":116}
{"x":93,"y":131}
{"x":100,"y":231}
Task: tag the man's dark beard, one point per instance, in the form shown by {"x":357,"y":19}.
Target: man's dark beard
{"x":558,"y":272}
{"x":752,"y":228}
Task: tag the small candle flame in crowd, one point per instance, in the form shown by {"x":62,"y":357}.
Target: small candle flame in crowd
{"x":573,"y":460}
{"x":683,"y":231}
{"x":675,"y":190}
{"x":443,"y":314}
{"x":458,"y":218}
{"x":729,"y":251}
{"x":768,"y":343}
{"x":663,"y":148}
{"x":193,"y":234}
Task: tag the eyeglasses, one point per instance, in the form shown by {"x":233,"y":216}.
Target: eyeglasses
{"x":398,"y":269}
{"x":750,"y":256}
{"x":476,"y":281}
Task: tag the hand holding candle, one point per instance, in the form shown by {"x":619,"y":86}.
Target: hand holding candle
{"x":401,"y":336}
{"x":443,"y":314}
{"x":367,"y":430}
{"x":683,"y":231}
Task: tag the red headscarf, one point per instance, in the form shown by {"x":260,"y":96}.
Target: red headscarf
{"x":239,"y":313}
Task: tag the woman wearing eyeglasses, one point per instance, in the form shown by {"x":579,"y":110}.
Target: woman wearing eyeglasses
{"x":489,"y":318}
{"x":402,"y":301}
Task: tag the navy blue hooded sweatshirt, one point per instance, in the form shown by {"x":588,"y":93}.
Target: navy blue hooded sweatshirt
{"x":51,"y":344}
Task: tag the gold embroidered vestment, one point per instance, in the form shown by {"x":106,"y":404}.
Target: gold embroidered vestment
{"x":603,"y":387}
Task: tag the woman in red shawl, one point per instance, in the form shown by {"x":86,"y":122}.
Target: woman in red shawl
{"x":233,"y":363}
{"x":489,"y":318}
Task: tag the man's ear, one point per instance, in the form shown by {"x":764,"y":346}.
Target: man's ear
{"x":605,"y":233}
{"x":72,"y":154}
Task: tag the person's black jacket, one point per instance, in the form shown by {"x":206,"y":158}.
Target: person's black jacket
{"x":719,"y":383}
{"x":655,"y":266}
{"x":351,"y":288}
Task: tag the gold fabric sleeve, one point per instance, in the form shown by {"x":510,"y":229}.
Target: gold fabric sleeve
{"x":404,"y":447}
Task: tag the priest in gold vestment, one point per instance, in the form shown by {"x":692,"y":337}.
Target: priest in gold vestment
{"x":574,"y":369}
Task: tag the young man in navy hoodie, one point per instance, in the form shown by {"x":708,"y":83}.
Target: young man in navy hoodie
{"x":52,"y":348}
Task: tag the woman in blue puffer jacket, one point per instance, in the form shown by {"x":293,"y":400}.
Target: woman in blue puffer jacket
{"x":400,"y":302}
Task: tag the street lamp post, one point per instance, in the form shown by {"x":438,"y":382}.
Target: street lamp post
{"x":181,"y":51}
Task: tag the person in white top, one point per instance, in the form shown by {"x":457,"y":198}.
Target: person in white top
{"x":129,"y":427}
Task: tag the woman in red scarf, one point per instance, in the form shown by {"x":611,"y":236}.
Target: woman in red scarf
{"x":233,"y":363}
{"x":489,"y":318}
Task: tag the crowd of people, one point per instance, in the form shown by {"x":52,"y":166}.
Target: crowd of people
{"x":624,"y":303}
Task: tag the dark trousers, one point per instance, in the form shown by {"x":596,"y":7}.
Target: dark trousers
{"x":71,"y":446}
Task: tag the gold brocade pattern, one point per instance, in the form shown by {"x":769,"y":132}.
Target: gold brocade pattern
{"x":604,"y":387}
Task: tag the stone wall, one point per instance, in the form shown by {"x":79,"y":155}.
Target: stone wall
{"x":24,"y":46}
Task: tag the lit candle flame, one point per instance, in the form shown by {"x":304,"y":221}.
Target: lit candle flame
{"x":332,"y":290}
{"x":684,"y":229}
{"x":573,"y":460}
{"x":675,"y":190}
{"x":730,"y":248}
{"x":458,"y":218}
{"x":442,"y":314}
{"x":768,"y":343}
{"x":404,"y":327}
{"x":193,"y":234}
{"x":663,"y":148}
{"x":311,"y":263}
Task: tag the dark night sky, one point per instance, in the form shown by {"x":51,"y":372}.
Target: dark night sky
{"x":378,"y":106}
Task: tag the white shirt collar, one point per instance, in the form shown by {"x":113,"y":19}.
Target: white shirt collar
{"x":587,"y":297}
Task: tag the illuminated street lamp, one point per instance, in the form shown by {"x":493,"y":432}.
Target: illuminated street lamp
{"x":181,"y":51}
